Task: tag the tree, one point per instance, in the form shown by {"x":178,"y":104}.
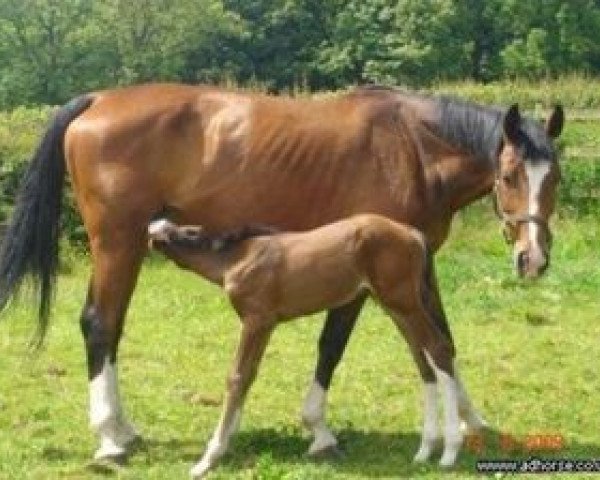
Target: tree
{"x":41,"y":40}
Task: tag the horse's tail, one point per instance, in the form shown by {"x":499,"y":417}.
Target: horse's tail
{"x":30,"y":246}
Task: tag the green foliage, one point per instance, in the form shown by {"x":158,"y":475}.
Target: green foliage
{"x":51,"y":50}
{"x":20,"y":131}
{"x":579,"y":94}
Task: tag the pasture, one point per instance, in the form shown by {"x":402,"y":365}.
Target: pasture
{"x":528,"y":353}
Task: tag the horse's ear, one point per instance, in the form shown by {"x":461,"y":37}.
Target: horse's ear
{"x":554,"y":124}
{"x":510,"y":125}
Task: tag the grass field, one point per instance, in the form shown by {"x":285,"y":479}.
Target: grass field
{"x":528,"y":352}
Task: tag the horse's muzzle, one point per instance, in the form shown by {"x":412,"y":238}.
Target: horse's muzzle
{"x":531,"y":263}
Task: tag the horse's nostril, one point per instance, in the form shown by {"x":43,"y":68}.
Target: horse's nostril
{"x":545,"y":265}
{"x":522,"y":260}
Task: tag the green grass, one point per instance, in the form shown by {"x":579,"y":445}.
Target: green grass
{"x":528,"y":352}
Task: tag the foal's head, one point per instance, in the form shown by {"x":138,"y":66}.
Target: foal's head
{"x":526,"y":181}
{"x":163,"y":232}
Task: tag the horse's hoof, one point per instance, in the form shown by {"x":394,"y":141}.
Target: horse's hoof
{"x":200,"y":470}
{"x":474,"y":425}
{"x":108,"y":463}
{"x":328,"y":453}
{"x":448,"y":460}
{"x":421,"y":456}
{"x":111,"y":453}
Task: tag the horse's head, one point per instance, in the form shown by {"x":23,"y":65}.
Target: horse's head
{"x":527,"y":177}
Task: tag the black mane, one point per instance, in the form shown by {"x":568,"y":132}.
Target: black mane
{"x":474,"y":128}
{"x":471,"y":127}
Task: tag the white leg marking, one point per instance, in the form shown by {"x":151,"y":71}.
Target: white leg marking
{"x":106,"y":416}
{"x":452,"y":435}
{"x":430,"y":433}
{"x":536,"y":173}
{"x":217,"y":446}
{"x":313,"y":416}
{"x":472,"y":420}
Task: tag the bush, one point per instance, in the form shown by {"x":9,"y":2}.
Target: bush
{"x":20,"y":131}
{"x":574,"y":92}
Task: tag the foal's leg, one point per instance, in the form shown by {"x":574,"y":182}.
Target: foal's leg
{"x":116,"y":262}
{"x":253,"y":341}
{"x":334,"y":337}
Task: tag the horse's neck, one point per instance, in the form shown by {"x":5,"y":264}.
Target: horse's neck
{"x":461,"y":180}
{"x":461,"y":141}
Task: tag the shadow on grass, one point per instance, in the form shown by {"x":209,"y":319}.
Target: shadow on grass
{"x":367,"y":453}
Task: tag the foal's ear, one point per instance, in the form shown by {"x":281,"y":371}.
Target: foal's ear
{"x":555,"y":122}
{"x":510,"y":125}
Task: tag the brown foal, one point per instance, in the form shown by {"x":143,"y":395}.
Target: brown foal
{"x":271,"y":277}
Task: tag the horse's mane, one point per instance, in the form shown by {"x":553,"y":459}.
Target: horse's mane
{"x":218,"y":242}
{"x":464,"y":124}
{"x":476,"y":128}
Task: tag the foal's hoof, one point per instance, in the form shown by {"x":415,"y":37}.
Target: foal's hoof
{"x":328,"y":453}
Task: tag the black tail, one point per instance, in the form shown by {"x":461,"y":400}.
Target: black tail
{"x":30,"y":246}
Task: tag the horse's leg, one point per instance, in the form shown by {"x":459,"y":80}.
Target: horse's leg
{"x":433,"y":303}
{"x":116,"y":260}
{"x":430,"y":433}
{"x":407,"y":308}
{"x":442,"y":363}
{"x":334,"y":337}
{"x":253,"y":341}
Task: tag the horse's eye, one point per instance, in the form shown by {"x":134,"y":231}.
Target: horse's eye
{"x":510,"y":179}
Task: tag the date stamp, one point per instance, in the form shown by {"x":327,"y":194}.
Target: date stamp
{"x":511,"y":444}
{"x":530,"y":447}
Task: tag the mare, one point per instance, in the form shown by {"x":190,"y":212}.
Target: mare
{"x":271,"y":277}
{"x":224,"y":159}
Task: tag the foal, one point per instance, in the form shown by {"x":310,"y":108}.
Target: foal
{"x":270,"y":277}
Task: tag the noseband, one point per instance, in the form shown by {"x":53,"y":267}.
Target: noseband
{"x":515,"y":219}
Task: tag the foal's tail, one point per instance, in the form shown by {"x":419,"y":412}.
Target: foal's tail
{"x":30,"y":246}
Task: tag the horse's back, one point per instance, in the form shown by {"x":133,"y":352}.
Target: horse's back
{"x":224,"y":158}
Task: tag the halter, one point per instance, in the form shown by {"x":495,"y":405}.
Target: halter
{"x":515,"y":219}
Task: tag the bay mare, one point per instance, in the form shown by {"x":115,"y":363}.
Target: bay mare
{"x":271,"y":277}
{"x":224,"y":159}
